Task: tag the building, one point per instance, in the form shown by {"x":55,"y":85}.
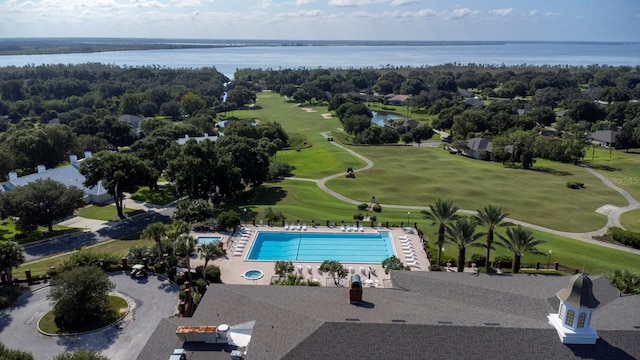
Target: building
{"x":426,"y":315}
{"x":186,"y":138}
{"x":69,"y":175}
{"x":604,"y":138}
{"x":478,"y":148}
{"x":399,"y":100}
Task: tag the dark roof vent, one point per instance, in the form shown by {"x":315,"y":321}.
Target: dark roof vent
{"x":398,"y":321}
{"x":351,"y":319}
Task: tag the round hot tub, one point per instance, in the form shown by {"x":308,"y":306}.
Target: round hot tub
{"x":253,"y":274}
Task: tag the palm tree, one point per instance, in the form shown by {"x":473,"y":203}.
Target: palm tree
{"x":490,"y":217}
{"x":462,"y":233}
{"x":210,"y":251}
{"x":185,"y":245}
{"x":137,"y":253}
{"x":442,"y":212}
{"x":519,"y":241}
{"x":11,"y":256}
{"x":156,"y":231}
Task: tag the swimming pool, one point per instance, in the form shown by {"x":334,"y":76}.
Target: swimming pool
{"x":208,"y":239}
{"x":317,"y":247}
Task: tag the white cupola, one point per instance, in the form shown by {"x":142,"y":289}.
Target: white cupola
{"x":573,"y":320}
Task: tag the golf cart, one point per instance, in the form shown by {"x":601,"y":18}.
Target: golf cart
{"x":138,"y":271}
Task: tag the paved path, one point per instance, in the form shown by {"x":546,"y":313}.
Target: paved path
{"x":150,"y":300}
{"x":613,"y":216}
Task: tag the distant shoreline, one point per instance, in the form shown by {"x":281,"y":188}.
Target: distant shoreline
{"x":41,"y":46}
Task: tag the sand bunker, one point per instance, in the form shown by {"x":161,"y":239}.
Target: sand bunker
{"x":309,"y":110}
{"x":326,"y":115}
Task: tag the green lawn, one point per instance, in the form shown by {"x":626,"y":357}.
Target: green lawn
{"x":104,"y":212}
{"x":119,"y":247}
{"x":8,"y":231}
{"x":162,"y":196}
{"x":116,"y":306}
{"x":631,"y":220}
{"x":419,"y":176}
{"x":620,"y":168}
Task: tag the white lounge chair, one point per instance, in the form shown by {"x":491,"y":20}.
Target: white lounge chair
{"x":349,"y":227}
{"x":299,"y":269}
{"x":318,"y":269}
{"x":304,"y":226}
{"x":407,"y":247}
{"x":342,"y":227}
{"x":309,"y":269}
{"x":403,"y":237}
{"x":361,"y":228}
{"x":298,"y":226}
{"x":286,"y":225}
{"x":351,"y":269}
{"x":362,"y":270}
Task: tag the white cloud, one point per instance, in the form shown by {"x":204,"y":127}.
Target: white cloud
{"x":346,"y":3}
{"x":187,"y":3}
{"x":304,"y":2}
{"x":402,"y":2}
{"x":533,"y":12}
{"x":426,"y":13}
{"x":460,"y":13}
{"x":301,"y":13}
{"x":501,"y":12}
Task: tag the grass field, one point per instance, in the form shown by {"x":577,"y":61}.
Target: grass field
{"x":116,"y":305}
{"x":620,"y":168}
{"x":8,"y":231}
{"x":104,"y":212}
{"x":118,"y":247}
{"x":631,"y":220}
{"x":419,"y":176}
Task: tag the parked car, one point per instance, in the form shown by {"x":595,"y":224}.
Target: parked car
{"x":138,"y":271}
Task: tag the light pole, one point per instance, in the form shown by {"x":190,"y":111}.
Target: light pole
{"x":408,"y":217}
{"x":549,"y":260}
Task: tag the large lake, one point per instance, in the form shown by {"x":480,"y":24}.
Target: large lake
{"x":227,"y":60}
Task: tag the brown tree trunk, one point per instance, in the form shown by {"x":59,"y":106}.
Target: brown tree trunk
{"x":516,"y":264}
{"x":461,"y":258}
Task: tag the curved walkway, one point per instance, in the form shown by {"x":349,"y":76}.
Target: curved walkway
{"x":613,"y":216}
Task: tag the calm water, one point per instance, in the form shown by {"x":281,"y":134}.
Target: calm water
{"x":317,"y":247}
{"x":380,"y":118}
{"x":227,"y":60}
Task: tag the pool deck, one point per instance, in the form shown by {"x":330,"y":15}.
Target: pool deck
{"x":232,"y":267}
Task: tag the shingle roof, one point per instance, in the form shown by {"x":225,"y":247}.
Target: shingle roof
{"x":479,"y":144}
{"x":605,"y":136}
{"x":428,"y":314}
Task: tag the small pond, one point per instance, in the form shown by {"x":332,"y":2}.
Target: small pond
{"x":380,"y":118}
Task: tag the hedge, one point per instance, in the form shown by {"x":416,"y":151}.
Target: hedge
{"x":625,"y":237}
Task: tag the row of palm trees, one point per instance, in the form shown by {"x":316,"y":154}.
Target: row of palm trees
{"x":461,"y":231}
{"x":177,"y":236}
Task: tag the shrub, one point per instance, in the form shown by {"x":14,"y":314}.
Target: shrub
{"x":575,"y":185}
{"x":479,"y":259}
{"x":503,"y":261}
{"x":8,"y":294}
{"x":373,"y":218}
{"x":159,"y":268}
{"x":435,"y":268}
{"x":358,"y":216}
{"x":376,"y":208}
{"x":278,"y":169}
{"x":201,"y":286}
{"x":625,"y":237}
{"x":211,"y":273}
{"x":362,"y":207}
{"x":89,"y":258}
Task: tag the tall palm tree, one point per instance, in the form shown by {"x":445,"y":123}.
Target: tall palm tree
{"x":519,"y":241}
{"x":462,"y":233}
{"x":490,"y":217}
{"x":11,"y":255}
{"x":156,"y":231}
{"x":185,"y":245}
{"x":442,"y":212}
{"x":210,"y":251}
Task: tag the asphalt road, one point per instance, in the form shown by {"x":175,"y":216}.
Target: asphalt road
{"x":74,"y":241}
{"x":150,"y":300}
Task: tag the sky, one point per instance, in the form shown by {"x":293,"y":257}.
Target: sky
{"x":544,"y":20}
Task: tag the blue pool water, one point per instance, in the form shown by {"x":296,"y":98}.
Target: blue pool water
{"x":317,"y":247}
{"x":208,"y":239}
{"x":253,"y":274}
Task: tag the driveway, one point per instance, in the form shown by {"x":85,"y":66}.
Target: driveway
{"x":150,"y":300}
